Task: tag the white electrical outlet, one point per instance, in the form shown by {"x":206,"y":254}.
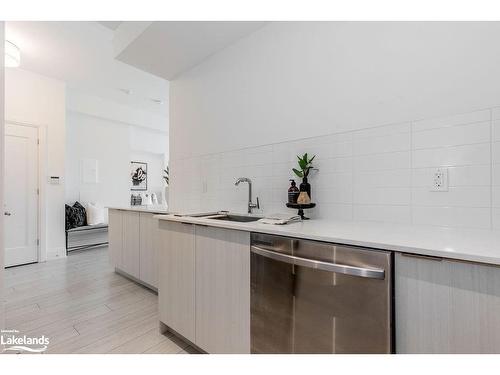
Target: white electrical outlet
{"x":440,"y":179}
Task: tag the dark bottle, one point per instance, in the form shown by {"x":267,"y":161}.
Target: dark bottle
{"x":293,"y":192}
{"x":306,"y":186}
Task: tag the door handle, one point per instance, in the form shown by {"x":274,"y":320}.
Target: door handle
{"x":7,"y":213}
{"x":370,"y":273}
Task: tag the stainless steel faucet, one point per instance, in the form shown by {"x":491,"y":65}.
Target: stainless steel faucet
{"x":251,"y":205}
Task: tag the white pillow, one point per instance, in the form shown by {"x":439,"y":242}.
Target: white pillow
{"x":95,"y":214}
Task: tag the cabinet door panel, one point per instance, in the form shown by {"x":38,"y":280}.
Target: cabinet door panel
{"x":446,"y":306}
{"x":176,"y":287}
{"x":150,"y":241}
{"x":222,"y":290}
{"x":115,"y":234}
{"x":131,"y":243}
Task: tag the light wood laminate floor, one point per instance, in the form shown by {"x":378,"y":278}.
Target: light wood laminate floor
{"x":83,"y":306}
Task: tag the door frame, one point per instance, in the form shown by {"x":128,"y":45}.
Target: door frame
{"x":41,"y":171}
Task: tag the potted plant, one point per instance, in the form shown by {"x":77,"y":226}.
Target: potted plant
{"x":305,"y":165}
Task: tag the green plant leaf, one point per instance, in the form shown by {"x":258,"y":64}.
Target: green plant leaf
{"x":302,"y":164}
{"x":310,"y":161}
{"x":305,"y":157}
{"x":298,"y":173}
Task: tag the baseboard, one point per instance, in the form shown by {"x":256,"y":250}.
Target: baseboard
{"x":57,"y":253}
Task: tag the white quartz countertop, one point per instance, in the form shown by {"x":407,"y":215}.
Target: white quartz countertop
{"x":470,"y":245}
{"x":150,"y":209}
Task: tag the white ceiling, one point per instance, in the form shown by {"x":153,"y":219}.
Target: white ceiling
{"x":82,"y":55}
{"x":127,"y":62}
{"x":168,"y":48}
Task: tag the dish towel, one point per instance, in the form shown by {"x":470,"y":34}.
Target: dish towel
{"x":279,"y":219}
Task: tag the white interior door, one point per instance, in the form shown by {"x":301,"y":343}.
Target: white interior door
{"x":21,"y":196}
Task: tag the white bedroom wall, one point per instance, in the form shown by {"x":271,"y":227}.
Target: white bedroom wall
{"x":2,"y":107}
{"x":381,"y":104}
{"x":35,"y":99}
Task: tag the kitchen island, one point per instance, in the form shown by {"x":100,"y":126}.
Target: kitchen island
{"x":446,"y":281}
{"x":134,"y":242}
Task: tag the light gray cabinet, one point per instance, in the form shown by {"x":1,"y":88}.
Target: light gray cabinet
{"x":222,"y":290}
{"x":445,"y":306}
{"x":133,"y":244}
{"x":150,"y":242}
{"x":176,"y":288}
{"x":204,"y":285}
{"x":115,"y":237}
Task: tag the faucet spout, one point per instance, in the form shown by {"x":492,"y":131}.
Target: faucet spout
{"x":250,"y":203}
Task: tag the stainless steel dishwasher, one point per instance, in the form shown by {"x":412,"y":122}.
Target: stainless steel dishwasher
{"x":316,"y":297}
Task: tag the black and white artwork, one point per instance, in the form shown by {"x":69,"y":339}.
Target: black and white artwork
{"x":138,"y":176}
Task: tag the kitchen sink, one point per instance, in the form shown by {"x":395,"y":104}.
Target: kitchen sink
{"x":237,"y":218}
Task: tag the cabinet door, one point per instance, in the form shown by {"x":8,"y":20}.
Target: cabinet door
{"x":131,"y":236}
{"x":222,"y":290}
{"x":115,"y":234}
{"x":176,"y":287}
{"x":445,"y":306}
{"x":150,"y":241}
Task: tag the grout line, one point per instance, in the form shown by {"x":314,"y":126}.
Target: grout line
{"x":411,"y":173}
{"x":491,"y":168}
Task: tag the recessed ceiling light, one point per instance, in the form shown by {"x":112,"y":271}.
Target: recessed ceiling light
{"x":12,"y":55}
{"x":157,"y":101}
{"x":126,"y":91}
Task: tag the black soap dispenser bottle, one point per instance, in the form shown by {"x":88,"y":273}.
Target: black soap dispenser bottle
{"x":293,"y":192}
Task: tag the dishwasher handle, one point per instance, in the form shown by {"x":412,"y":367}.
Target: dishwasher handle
{"x":370,"y":273}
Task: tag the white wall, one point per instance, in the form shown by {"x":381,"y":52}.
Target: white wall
{"x":114,"y":145}
{"x":2,"y":30}
{"x":329,"y":88}
{"x":38,"y":100}
{"x":107,"y":142}
{"x":295,"y":79}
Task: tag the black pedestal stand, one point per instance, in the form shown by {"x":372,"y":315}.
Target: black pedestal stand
{"x":301,"y":208}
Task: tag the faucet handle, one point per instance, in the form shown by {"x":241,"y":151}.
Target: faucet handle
{"x":258,"y":203}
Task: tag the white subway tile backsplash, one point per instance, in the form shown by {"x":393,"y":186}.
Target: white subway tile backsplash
{"x":382,"y":195}
{"x":496,"y":196}
{"x":462,"y":196}
{"x":335,"y":211}
{"x":441,"y":122}
{"x":334,"y":194}
{"x":463,"y":217}
{"x":387,"y":161}
{"x":496,"y":174}
{"x":452,"y":136}
{"x":495,"y":150}
{"x":473,"y":175}
{"x":496,"y":130}
{"x":382,"y":131}
{"x":382,"y":173}
{"x":335,"y":165}
{"x":386,"y":178}
{"x":450,"y":156}
{"x":495,"y":113}
{"x":496,"y":218}
{"x":391,"y":214}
